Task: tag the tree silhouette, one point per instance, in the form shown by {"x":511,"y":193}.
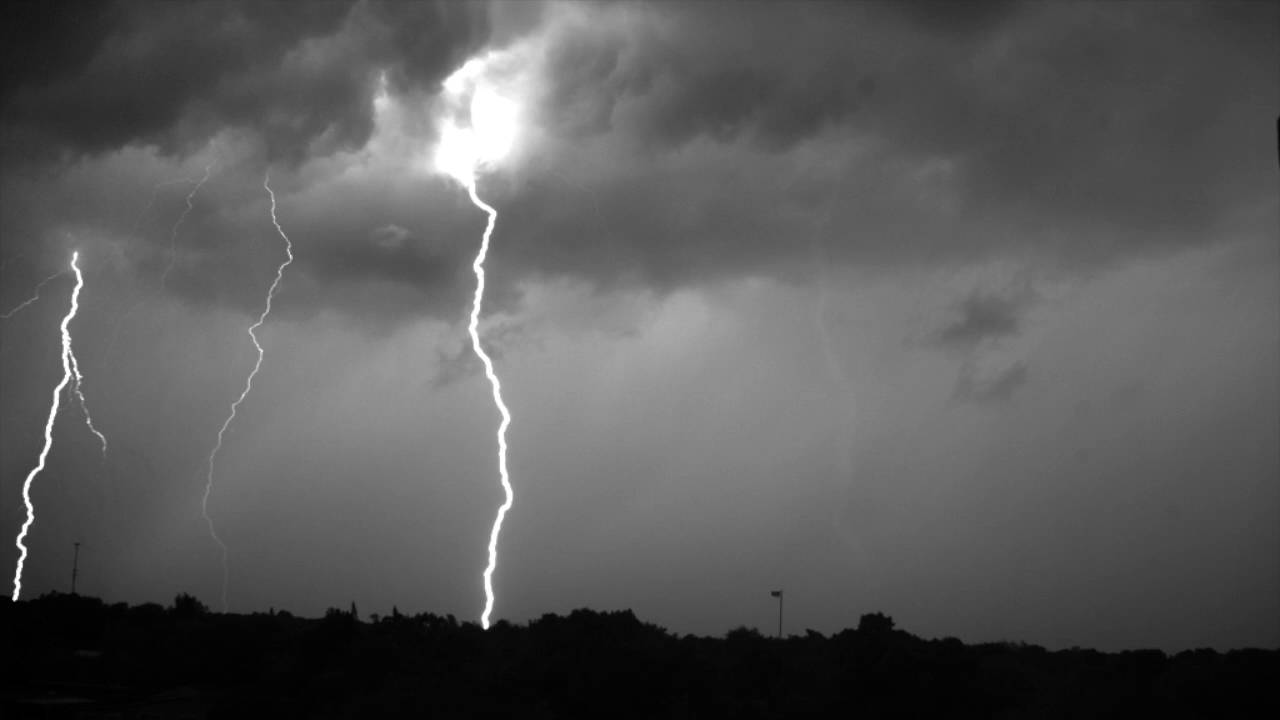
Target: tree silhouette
{"x":873,"y":624}
{"x":185,"y":605}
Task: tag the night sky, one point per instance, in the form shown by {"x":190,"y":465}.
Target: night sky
{"x":966,"y":313}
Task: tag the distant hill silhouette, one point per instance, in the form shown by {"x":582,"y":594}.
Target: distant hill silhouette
{"x":68,"y":656}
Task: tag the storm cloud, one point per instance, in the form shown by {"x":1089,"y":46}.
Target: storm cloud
{"x":702,"y":142}
{"x":91,"y":77}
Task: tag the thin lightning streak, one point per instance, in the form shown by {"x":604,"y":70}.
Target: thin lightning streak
{"x":821,"y":312}
{"x":151,"y":201}
{"x":34,"y":297}
{"x":474,"y":329}
{"x":837,"y":371}
{"x":173,"y":234}
{"x":67,"y":376}
{"x":84,"y":406}
{"x":248,"y":385}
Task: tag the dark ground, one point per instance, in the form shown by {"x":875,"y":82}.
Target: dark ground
{"x":68,"y":656}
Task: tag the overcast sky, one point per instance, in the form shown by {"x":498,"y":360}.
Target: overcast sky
{"x":966,"y":313}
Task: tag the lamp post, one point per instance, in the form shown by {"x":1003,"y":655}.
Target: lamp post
{"x":75,"y":567}
{"x":778,"y":594}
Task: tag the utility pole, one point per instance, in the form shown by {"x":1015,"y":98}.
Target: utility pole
{"x":778,"y":594}
{"x":75,"y":568}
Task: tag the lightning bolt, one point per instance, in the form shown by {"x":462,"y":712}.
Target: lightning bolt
{"x":68,"y":373}
{"x":248,"y":385}
{"x":474,"y":329}
{"x":34,"y":297}
{"x":173,"y":234}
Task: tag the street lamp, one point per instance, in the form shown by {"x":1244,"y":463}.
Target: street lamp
{"x":778,"y":594}
{"x":75,"y":567}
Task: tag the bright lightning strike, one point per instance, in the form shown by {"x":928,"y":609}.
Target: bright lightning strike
{"x":474,"y":329}
{"x":68,"y":363}
{"x":35,"y":295}
{"x":465,"y":149}
{"x":248,"y":385}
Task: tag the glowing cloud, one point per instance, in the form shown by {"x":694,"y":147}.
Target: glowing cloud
{"x":68,"y":373}
{"x":482,"y":129}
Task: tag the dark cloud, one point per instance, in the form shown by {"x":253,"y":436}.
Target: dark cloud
{"x":982,"y":317}
{"x":586,"y":82}
{"x":770,"y":108}
{"x":1078,"y":134}
{"x":690,"y":79}
{"x":982,"y":331}
{"x":1139,"y":124}
{"x":174,"y":74}
{"x":43,"y":42}
{"x":411,"y":264}
{"x":420,"y":43}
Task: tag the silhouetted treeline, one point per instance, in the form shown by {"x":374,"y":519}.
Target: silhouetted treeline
{"x":76,"y":657}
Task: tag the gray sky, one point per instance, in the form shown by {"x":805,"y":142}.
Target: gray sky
{"x":970,"y":315}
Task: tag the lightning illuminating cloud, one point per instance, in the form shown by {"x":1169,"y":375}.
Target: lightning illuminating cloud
{"x":474,"y":329}
{"x":68,"y":373}
{"x":248,"y":385}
